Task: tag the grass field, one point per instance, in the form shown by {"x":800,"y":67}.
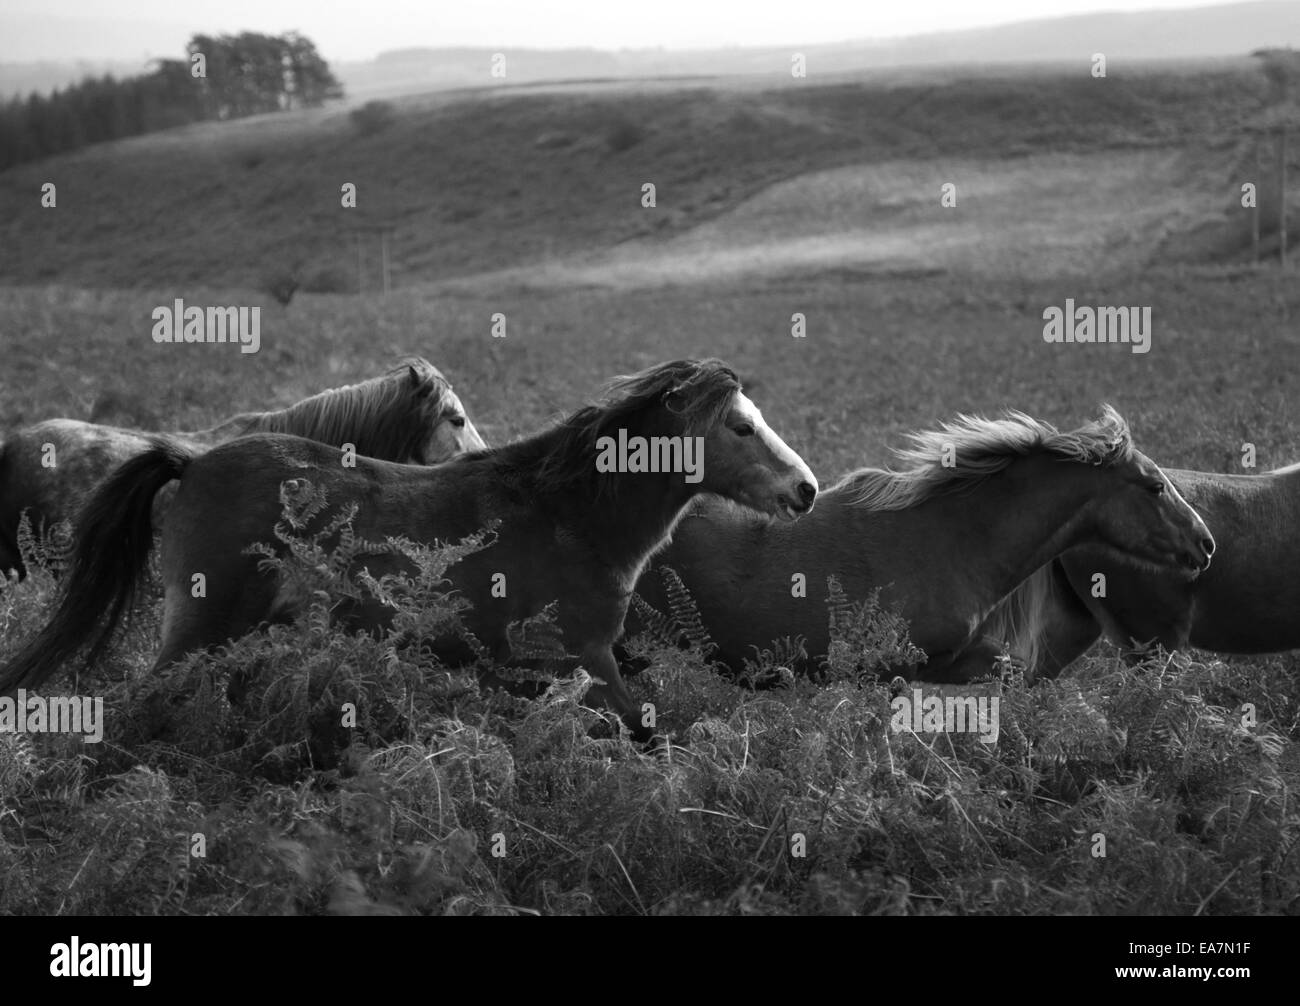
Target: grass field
{"x":822,"y":201}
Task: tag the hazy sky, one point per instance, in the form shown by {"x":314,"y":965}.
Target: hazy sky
{"x":359,"y":29}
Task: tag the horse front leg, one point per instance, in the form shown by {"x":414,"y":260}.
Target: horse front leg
{"x":610,"y":690}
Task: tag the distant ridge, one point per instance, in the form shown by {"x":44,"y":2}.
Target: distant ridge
{"x":1217,"y":31}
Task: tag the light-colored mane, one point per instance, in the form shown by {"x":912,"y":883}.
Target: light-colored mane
{"x":979,"y":448}
{"x":389,"y":416}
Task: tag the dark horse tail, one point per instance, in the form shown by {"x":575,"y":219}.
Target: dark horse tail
{"x":114,"y":534}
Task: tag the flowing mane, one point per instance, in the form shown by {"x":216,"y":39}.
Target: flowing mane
{"x":389,"y":416}
{"x":563,"y":458}
{"x":983,"y":447}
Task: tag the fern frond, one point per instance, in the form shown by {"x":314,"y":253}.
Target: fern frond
{"x":537,"y":637}
{"x":49,"y":551}
{"x":684,"y":611}
{"x":865,"y":641}
{"x":653,"y":621}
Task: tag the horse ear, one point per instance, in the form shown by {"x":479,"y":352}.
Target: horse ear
{"x":421,"y":386}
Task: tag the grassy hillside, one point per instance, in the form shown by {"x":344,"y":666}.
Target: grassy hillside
{"x":518,"y":178}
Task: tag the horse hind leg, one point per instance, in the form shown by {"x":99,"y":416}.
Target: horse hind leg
{"x":192,"y":625}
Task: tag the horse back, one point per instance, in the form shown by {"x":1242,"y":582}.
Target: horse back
{"x":230,"y":496}
{"x":50,"y":468}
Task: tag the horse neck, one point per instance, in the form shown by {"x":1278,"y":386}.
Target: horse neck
{"x":638,"y":518}
{"x":378,"y":433}
{"x":625,"y":516}
{"x":294,"y":420}
{"x":1024,"y":517}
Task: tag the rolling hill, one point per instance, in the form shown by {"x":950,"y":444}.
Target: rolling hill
{"x":548,"y":180}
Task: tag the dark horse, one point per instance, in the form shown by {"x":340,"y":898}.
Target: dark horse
{"x":409,"y":414}
{"x":945,"y":543}
{"x":569,"y":529}
{"x":1249,"y":602}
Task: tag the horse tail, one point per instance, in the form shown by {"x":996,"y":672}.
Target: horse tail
{"x":114,"y":535}
{"x":1020,"y":619}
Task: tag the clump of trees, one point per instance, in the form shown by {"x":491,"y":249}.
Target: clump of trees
{"x":244,"y":74}
{"x":247,"y":74}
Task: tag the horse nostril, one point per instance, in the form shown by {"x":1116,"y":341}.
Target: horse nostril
{"x":807,"y":493}
{"x":1208,"y":545}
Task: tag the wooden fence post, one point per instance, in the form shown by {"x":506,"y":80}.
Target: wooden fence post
{"x":1281,"y":199}
{"x":1254,"y":214}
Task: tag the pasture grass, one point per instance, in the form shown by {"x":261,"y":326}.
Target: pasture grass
{"x":444,"y":797}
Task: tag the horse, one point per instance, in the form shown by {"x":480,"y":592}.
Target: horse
{"x":1246,"y":603}
{"x":943,"y":542}
{"x":573,"y":524}
{"x":408,"y":415}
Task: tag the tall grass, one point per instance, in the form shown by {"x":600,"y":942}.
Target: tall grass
{"x":319,"y":771}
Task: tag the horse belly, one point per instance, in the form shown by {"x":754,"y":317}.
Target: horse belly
{"x":755,"y":615}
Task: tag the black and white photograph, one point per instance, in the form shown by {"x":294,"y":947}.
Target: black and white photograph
{"x":723,"y":458}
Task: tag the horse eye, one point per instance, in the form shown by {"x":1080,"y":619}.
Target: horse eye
{"x":743,"y":430}
{"x":1157,"y":487}
{"x":458,"y":422}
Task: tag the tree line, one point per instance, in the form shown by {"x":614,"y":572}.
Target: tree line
{"x":224,"y":77}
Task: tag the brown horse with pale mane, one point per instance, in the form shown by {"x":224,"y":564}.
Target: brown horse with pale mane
{"x":568,"y":529}
{"x":945,"y":544}
{"x":409,"y":415}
